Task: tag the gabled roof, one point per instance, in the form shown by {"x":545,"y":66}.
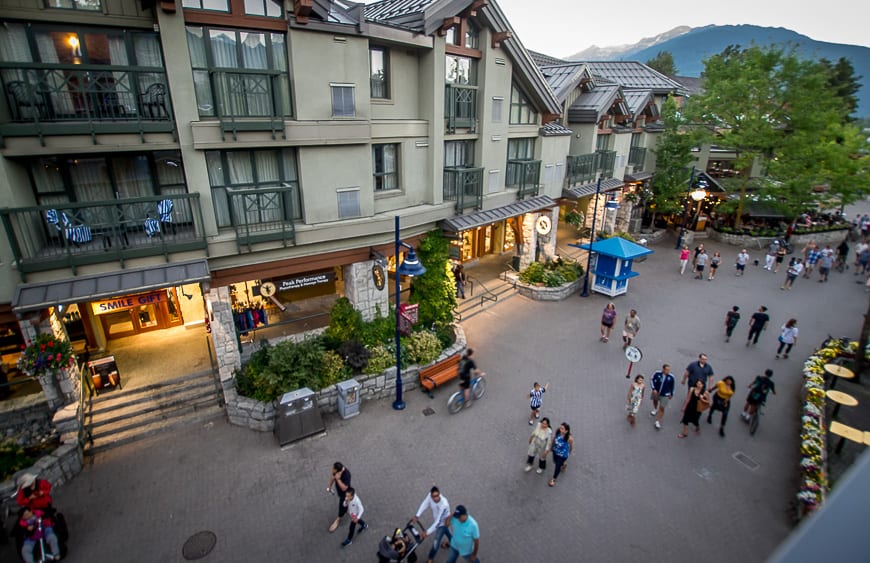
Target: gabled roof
{"x":589,"y":188}
{"x":427,"y":16}
{"x":637,"y":100}
{"x":459,"y":223}
{"x":555,"y":129}
{"x":636,"y":75}
{"x":564,"y":78}
{"x":691,"y":84}
{"x":618,"y":247}
{"x":337,"y":11}
{"x":590,"y":106}
{"x":546,"y":60}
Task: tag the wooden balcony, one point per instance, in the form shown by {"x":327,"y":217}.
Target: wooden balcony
{"x":524,"y":175}
{"x":464,"y":186}
{"x":264,"y":214}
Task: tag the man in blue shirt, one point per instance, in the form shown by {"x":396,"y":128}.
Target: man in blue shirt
{"x":698,"y":369}
{"x":663,"y":384}
{"x":466,"y":537}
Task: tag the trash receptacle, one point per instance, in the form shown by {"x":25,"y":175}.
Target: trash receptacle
{"x":348,"y":398}
{"x":298,"y":416}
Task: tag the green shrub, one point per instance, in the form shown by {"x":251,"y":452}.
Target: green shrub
{"x":380,"y":359}
{"x":446,"y":335}
{"x":422,"y":347}
{"x":553,"y":279}
{"x":333,"y":369}
{"x":346,"y":323}
{"x":533,"y":274}
{"x":354,"y":354}
{"x":13,"y":458}
{"x":379,"y":330}
{"x":434,"y":291}
{"x":288,"y":366}
{"x":551,"y":274}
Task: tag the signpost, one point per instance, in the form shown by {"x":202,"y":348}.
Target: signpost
{"x":633,"y":355}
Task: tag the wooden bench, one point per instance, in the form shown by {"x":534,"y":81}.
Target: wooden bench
{"x":439,"y":374}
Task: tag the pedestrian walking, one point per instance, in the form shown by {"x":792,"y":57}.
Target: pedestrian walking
{"x":355,"y":508}
{"x":826,"y":262}
{"x":699,"y":370}
{"x":811,"y":257}
{"x":535,"y":400}
{"x":539,"y":445}
{"x":696,"y":402}
{"x":460,"y":278}
{"x":732,"y":317}
{"x":795,"y":267}
{"x":698,"y":250}
{"x":770,"y":257}
{"x":787,"y":337}
{"x":859,"y":250}
{"x":340,"y":479}
{"x":722,"y":401}
{"x":438,"y":505}
{"x":700,"y":262}
{"x":608,"y":319}
{"x":630,"y":328}
{"x":563,"y":444}
{"x":715,"y":261}
{"x":741,"y":261}
{"x":662,"y":385}
{"x":757,"y":323}
{"x":780,"y":258}
{"x":465,"y":542}
{"x":635,"y":396}
{"x":684,"y":258}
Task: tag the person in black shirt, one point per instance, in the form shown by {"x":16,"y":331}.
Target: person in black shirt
{"x":341,"y":479}
{"x":757,"y":322}
{"x":467,"y":370}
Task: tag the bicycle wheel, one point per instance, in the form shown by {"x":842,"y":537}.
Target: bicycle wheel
{"x":479,"y":387}
{"x":454,"y":403}
{"x":753,"y":423}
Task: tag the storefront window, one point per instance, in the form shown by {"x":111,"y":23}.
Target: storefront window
{"x":510,"y":240}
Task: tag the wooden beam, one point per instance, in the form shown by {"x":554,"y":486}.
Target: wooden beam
{"x":548,"y":117}
{"x":476,"y":5}
{"x":498,"y":37}
{"x":168,"y":6}
{"x":302,"y":9}
{"x":447,"y":24}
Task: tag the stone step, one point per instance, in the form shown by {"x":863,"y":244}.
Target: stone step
{"x":196,"y":414}
{"x":143,"y":407}
{"x":474,"y":304}
{"x":122,"y":398}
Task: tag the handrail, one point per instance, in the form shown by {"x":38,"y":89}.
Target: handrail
{"x":214,"y":373}
{"x":487,"y":295}
{"x":86,"y":383}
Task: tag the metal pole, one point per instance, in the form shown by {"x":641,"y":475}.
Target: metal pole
{"x":398,"y":404}
{"x":685,"y":210}
{"x":585,"y":292}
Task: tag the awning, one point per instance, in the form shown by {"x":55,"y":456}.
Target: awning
{"x":461,"y":223}
{"x":638,"y":176}
{"x":584,"y":190}
{"x":36,"y":296}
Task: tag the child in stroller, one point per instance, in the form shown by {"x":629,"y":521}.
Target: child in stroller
{"x":400,"y":546}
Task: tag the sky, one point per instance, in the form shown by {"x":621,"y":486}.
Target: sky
{"x":563,"y":27}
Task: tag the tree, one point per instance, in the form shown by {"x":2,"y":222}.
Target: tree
{"x":435,"y":290}
{"x":673,"y":156}
{"x":844,"y":84}
{"x":664,"y":63}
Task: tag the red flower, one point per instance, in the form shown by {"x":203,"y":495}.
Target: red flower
{"x":23,"y":347}
{"x":57,"y":358}
{"x":50,"y":343}
{"x":42,"y":347}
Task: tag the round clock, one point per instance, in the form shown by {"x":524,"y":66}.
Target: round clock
{"x":633,"y":354}
{"x":379,"y":276}
{"x":543,"y":225}
{"x":267,"y":289}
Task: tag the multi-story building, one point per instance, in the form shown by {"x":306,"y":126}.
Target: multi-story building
{"x":163,"y":149}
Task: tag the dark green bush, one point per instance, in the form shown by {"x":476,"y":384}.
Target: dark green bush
{"x":355,"y":355}
{"x":552,"y":274}
{"x":346,"y":323}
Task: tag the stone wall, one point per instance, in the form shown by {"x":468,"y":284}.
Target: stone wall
{"x":256,"y":415}
{"x":549,"y":293}
{"x":26,"y":419}
{"x":360,"y":290}
{"x":798,"y":241}
{"x":223,"y":335}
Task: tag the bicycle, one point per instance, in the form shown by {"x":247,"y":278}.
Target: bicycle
{"x":754,"y":419}
{"x":457,"y":400}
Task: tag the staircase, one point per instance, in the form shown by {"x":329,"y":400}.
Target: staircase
{"x":120,"y":417}
{"x":485,"y":294}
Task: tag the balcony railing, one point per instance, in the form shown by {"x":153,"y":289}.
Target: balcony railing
{"x":84,"y":99}
{"x":581,"y":168}
{"x":524,"y":175}
{"x":606,"y":161}
{"x":460,"y":107}
{"x":264,"y":214}
{"x":464,"y":186}
{"x":637,"y":157}
{"x":251,"y":100}
{"x":68,"y":235}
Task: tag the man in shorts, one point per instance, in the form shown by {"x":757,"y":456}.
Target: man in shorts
{"x":770,"y":257}
{"x":742,"y":259}
{"x":630,"y":328}
{"x":812,"y":255}
{"x":700,"y":262}
{"x":826,"y":262}
{"x":758,"y":390}
{"x":468,"y":369}
{"x":662,"y":384}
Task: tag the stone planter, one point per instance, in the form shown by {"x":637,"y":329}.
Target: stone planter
{"x":798,"y":241}
{"x":539,"y":292}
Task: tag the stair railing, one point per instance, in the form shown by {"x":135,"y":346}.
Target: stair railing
{"x":214,"y":373}
{"x":487,"y":294}
{"x":86,"y":387}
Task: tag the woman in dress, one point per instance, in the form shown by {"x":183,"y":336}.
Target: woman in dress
{"x":634,"y":398}
{"x":787,"y":337}
{"x":691,"y":414}
{"x":539,"y":445}
{"x":563,"y":445}
{"x":608,"y":318}
{"x":714,"y":265}
{"x":722,"y":401}
{"x":780,"y":257}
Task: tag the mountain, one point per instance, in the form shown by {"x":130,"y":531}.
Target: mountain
{"x":690,"y":46}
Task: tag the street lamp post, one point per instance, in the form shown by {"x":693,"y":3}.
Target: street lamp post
{"x":410,"y":266}
{"x":585,"y":292}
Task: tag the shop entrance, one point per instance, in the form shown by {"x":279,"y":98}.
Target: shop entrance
{"x":494,"y":238}
{"x":139,"y":313}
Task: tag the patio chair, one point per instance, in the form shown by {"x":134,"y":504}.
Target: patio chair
{"x":153,"y":101}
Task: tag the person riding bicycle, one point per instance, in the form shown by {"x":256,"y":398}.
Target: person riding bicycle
{"x":467,"y":371}
{"x":758,"y":391}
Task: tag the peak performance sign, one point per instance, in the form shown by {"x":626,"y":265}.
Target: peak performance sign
{"x":307,"y":280}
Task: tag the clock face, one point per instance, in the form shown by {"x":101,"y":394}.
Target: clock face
{"x":543,"y":225}
{"x":267,"y":289}
{"x":633,"y":354}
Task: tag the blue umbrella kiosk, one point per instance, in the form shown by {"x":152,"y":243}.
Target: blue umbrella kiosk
{"x":612,"y":270}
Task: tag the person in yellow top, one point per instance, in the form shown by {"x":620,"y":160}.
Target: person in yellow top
{"x":722,"y":401}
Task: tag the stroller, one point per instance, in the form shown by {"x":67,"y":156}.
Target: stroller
{"x":401,"y":545}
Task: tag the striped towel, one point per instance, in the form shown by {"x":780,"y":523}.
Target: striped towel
{"x":152,"y":227}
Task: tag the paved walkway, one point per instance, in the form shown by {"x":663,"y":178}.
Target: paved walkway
{"x":630,"y":494}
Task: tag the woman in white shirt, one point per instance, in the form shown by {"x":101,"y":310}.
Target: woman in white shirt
{"x":787,"y":337}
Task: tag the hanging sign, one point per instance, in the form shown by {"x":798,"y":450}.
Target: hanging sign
{"x":127,"y":302}
{"x":307,"y":280}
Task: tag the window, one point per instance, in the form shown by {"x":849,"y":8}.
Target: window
{"x":385,"y":161}
{"x":269,"y":8}
{"x":379,"y":65}
{"x":497,"y":110}
{"x":342,"y":100}
{"x":602,"y":143}
{"x":254,"y":169}
{"x":239,"y":73}
{"x":521,"y":111}
{"x":90,"y":5}
{"x":450,"y":35}
{"x":471,"y":36}
{"x":216,"y":5}
{"x":458,"y":154}
{"x":521,"y":149}
{"x":348,"y":203}
{"x":461,"y":70}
